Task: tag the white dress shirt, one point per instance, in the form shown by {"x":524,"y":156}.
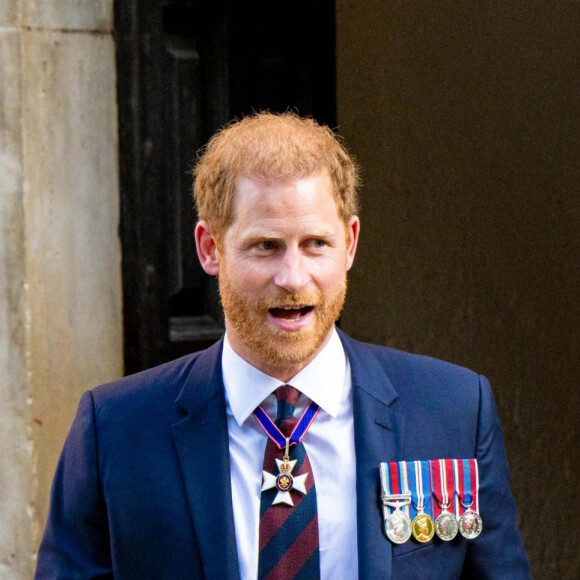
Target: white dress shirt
{"x":329,"y":444}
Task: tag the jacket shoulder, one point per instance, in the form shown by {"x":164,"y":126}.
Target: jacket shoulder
{"x":411,"y":367}
{"x":155,"y":390}
{"x":164,"y":377}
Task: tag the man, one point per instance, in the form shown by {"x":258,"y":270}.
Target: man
{"x":182,"y":472}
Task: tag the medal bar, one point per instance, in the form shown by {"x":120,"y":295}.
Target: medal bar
{"x":441,"y":495}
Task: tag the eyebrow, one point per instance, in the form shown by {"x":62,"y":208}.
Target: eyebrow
{"x":260,"y":234}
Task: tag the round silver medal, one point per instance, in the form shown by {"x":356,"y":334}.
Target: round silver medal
{"x":446,"y":526}
{"x":470,"y":524}
{"x":398,"y":527}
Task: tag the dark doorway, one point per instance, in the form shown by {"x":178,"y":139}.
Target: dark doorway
{"x":185,"y":68}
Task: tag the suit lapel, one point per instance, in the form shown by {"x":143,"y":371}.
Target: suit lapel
{"x":378,"y":437}
{"x":201,"y":439}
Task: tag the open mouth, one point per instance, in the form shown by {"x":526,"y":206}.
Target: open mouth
{"x":290,"y":312}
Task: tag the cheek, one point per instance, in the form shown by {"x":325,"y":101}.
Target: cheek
{"x":251,"y":279}
{"x":331,"y":276}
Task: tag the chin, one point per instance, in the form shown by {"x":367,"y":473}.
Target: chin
{"x":284,"y":349}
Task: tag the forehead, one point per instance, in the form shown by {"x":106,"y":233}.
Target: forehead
{"x":288,"y":198}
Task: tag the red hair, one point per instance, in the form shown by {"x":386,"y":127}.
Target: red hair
{"x":270,"y":146}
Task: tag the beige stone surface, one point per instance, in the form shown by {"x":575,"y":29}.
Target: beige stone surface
{"x":15,"y":458}
{"x":68,"y":14}
{"x":72,"y":217}
{"x":466,"y":120}
{"x":9,"y":13}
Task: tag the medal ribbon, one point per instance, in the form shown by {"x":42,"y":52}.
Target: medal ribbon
{"x":395,"y":480}
{"x":274,"y":433}
{"x":404,"y":482}
{"x":443,"y":484}
{"x":420,"y":487}
{"x":467,"y":477}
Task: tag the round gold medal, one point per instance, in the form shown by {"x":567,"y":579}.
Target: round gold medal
{"x":422,"y":527}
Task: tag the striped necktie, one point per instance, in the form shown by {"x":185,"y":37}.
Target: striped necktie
{"x":288,"y":533}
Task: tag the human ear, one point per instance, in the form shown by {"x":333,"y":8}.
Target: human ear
{"x":207,"y":250}
{"x":352,"y":233}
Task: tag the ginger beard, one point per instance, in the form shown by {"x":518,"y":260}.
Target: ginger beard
{"x":248,"y":316}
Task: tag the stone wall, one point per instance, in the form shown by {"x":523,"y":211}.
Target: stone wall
{"x":465,"y":119}
{"x":60,"y":282}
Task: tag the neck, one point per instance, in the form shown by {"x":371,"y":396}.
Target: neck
{"x":283,"y":370}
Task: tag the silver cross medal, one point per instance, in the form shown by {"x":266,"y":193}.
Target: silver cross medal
{"x":284,"y":482}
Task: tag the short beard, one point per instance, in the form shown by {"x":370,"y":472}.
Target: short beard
{"x":275,"y":347}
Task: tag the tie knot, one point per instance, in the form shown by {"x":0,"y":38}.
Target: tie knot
{"x":287,"y":397}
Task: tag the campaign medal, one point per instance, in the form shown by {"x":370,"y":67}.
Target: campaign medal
{"x":446,"y":526}
{"x":467,"y":477}
{"x":398,"y":526}
{"x":422,"y":526}
{"x":396,"y":496}
{"x":284,"y":481}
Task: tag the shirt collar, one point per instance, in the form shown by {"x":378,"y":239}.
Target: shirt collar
{"x":321,"y":380}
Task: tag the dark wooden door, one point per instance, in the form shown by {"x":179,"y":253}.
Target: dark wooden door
{"x":185,"y":68}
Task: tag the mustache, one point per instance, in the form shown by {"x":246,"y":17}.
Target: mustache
{"x":285,"y":299}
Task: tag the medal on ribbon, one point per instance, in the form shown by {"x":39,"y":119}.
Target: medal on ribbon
{"x":397,"y":497}
{"x":284,"y":481}
{"x":443,"y":483}
{"x":422,"y":526}
{"x":467,"y":478}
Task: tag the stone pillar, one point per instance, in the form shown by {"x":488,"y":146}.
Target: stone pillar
{"x":15,"y":445}
{"x":60,"y":259}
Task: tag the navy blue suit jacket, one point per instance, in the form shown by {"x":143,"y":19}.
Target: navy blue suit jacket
{"x":142,"y":489}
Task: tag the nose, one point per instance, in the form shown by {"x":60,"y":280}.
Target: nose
{"x":292,"y":273}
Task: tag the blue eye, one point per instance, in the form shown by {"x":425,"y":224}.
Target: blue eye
{"x":267,"y":245}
